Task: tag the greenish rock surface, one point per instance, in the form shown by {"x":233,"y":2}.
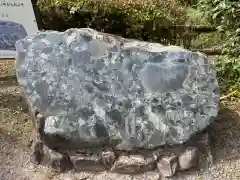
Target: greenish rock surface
{"x":94,"y":88}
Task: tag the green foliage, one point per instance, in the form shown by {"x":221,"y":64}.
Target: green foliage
{"x":228,"y":72}
{"x":140,"y":19}
{"x":225,"y":15}
{"x":196,"y":17}
{"x":189,"y":2}
{"x":208,"y":40}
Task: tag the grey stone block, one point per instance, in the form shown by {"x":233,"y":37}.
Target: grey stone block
{"x":93,"y":88}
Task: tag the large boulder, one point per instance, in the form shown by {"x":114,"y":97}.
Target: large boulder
{"x":10,"y":32}
{"x":94,"y":88}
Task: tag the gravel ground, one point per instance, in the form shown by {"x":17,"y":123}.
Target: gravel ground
{"x":15,"y":130}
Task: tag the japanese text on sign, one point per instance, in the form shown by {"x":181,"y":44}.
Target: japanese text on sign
{"x":11,"y":4}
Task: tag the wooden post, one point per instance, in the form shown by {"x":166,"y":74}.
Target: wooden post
{"x":37,"y":15}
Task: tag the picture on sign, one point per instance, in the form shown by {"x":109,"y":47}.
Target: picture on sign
{"x":17,"y":20}
{"x":10,"y":32}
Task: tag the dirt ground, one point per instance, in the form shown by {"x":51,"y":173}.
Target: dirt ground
{"x":15,"y":129}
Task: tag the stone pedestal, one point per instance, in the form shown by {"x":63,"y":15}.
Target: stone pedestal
{"x":168,"y":160}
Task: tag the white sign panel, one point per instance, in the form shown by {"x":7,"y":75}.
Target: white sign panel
{"x":17,"y":20}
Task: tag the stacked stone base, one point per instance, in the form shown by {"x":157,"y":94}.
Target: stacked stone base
{"x":168,"y":160}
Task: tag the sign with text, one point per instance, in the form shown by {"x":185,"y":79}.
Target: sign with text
{"x":17,"y":20}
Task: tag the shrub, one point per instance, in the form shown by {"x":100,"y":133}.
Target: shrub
{"x":208,"y":40}
{"x":228,"y":73}
{"x":140,"y":19}
{"x":196,"y":17}
{"x":225,"y":15}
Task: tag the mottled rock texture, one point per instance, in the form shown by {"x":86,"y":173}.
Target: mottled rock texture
{"x":188,"y":159}
{"x":168,"y":165}
{"x":10,"y":32}
{"x":94,"y":88}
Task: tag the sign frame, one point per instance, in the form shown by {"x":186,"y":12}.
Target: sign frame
{"x":19,"y":27}
{"x":37,"y":15}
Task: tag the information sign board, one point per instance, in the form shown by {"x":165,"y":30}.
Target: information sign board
{"x":17,"y":20}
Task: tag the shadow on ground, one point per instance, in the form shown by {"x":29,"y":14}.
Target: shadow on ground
{"x":8,"y":79}
{"x":225,"y":134}
{"x":13,"y":100}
